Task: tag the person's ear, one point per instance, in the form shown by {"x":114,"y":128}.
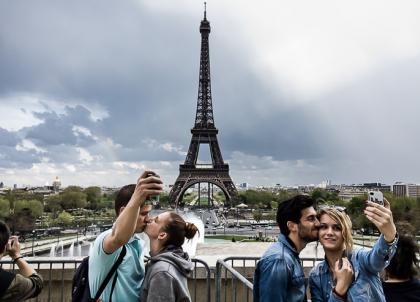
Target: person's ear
{"x":162,"y":235}
{"x":292,"y":226}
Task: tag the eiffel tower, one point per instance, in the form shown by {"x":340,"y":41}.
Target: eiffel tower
{"x":204,"y":132}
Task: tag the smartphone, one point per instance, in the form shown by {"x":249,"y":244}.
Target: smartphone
{"x":152,"y":200}
{"x":376,"y":196}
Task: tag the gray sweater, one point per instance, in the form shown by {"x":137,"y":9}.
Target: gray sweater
{"x":166,"y":277}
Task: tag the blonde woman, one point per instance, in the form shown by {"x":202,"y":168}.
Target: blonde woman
{"x":349,"y":274}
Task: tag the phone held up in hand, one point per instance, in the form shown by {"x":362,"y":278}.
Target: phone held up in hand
{"x":376,"y":196}
{"x":152,"y":200}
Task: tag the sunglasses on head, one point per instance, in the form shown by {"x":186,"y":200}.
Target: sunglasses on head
{"x":332,"y":207}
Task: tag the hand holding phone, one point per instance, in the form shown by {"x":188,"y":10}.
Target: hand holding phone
{"x":152,"y":200}
{"x":13,"y":246}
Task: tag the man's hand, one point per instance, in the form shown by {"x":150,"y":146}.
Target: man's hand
{"x":147,"y":185}
{"x":13,"y":247}
{"x":381,"y":216}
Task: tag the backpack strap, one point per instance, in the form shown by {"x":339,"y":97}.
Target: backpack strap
{"x":110,"y":273}
{"x":113,"y":285}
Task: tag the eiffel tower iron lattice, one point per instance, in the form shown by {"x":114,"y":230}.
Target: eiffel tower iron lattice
{"x":204,"y":132}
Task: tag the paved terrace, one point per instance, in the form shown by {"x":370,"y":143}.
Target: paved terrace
{"x":211,"y":252}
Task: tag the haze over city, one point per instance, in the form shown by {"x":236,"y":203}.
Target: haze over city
{"x":95,"y":92}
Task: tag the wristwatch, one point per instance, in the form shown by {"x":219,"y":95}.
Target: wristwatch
{"x":393,"y":241}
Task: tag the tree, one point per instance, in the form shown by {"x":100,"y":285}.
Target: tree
{"x":11,"y":197}
{"x":261,"y":199}
{"x":4,"y":208}
{"x":25,"y":214}
{"x":53,"y":205}
{"x":23,"y":221}
{"x":34,"y":207}
{"x":322,"y":196}
{"x":93,"y":197}
{"x":257,"y":214}
{"x":73,"y":199}
{"x":65,"y":218}
{"x":164,"y":199}
{"x":356,"y":206}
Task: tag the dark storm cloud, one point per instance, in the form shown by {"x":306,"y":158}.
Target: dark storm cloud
{"x":7,"y":138}
{"x":57,"y":129}
{"x":12,"y":158}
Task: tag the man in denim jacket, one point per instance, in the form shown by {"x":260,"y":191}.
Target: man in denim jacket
{"x":279,"y":274}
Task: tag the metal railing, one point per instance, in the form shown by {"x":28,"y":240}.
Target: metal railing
{"x":233,"y":277}
{"x":195,"y":276}
{"x":59,"y":273}
{"x":46,"y":267}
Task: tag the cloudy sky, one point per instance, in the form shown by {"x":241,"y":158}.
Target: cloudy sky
{"x":96,"y":91}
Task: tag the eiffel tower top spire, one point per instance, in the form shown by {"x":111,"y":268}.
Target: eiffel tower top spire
{"x":205,"y":10}
{"x":204,"y":114}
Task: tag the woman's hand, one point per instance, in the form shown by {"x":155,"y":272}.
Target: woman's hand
{"x":381,"y":216}
{"x":344,"y":275}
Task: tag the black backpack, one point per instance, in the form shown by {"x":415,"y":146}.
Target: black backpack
{"x":80,"y":290}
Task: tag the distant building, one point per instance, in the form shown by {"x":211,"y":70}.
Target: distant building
{"x":244,"y":186}
{"x":325,"y":184}
{"x":56,"y":184}
{"x":1,"y":185}
{"x":347,"y":192}
{"x":401,"y":189}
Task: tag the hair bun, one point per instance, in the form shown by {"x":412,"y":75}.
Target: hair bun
{"x":190,"y":230}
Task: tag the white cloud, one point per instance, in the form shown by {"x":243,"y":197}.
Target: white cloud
{"x":82,"y":130}
{"x":27,"y":145}
{"x":70,"y":167}
{"x":166,"y":146}
{"x":85,"y":156}
{"x":309,"y":48}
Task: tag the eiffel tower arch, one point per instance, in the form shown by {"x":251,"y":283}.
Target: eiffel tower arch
{"x":204,"y":132}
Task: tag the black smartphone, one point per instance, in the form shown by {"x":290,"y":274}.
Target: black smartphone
{"x":152,"y":199}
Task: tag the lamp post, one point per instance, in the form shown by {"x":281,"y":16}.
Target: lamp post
{"x":77,"y":234}
{"x":237,"y":217}
{"x":33,"y":241}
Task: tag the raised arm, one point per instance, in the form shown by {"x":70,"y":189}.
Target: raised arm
{"x":381,"y":216}
{"x":13,"y":249}
{"x":384,"y":249}
{"x":126,"y":223}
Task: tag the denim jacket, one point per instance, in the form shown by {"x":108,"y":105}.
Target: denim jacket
{"x":279,"y":275}
{"x":366,"y":267}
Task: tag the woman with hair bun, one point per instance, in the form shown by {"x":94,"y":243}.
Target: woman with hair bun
{"x":169,"y":265}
